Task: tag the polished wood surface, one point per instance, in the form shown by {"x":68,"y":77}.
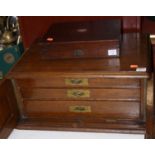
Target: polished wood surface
{"x":90,"y":49}
{"x":134,"y":49}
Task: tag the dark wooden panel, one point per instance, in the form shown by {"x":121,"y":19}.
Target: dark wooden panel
{"x":148,"y":25}
{"x":153,"y":48}
{"x":5,"y":111}
{"x":103,"y":30}
{"x":153,"y":52}
{"x":8,"y":109}
{"x":32,"y":27}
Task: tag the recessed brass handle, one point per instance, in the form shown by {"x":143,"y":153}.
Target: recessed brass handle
{"x":76,"y":81}
{"x":81,"y":82}
{"x":81,"y":109}
{"x":76,"y":93}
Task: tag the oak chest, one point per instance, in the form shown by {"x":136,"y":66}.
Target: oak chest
{"x":88,"y":94}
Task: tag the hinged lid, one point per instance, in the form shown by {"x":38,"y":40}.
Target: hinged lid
{"x":84,"y":31}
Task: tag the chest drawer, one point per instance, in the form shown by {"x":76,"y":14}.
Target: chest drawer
{"x":81,"y":94}
{"x":79,"y":82}
{"x":105,"y":109}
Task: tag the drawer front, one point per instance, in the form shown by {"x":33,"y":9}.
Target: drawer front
{"x":79,"y":82}
{"x":81,"y":50}
{"x":122,"y":110}
{"x":81,"y":94}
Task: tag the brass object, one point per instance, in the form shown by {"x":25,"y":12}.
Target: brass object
{"x":79,"y":82}
{"x":80,"y":109}
{"x":78,"y":93}
{"x":9,"y":58}
{"x":8,"y":37}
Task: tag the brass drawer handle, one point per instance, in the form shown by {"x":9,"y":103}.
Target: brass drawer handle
{"x":76,"y":81}
{"x":76,"y":93}
{"x":81,"y":82}
{"x":81,"y":109}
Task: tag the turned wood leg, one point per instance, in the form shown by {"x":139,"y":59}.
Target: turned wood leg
{"x":150,"y":117}
{"x":150,"y":134}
